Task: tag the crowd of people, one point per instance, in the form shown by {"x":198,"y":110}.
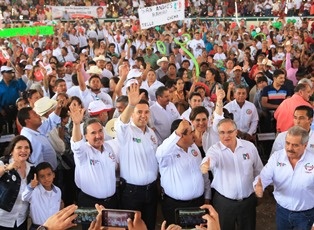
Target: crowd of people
{"x":39,"y":10}
{"x":109,"y":114}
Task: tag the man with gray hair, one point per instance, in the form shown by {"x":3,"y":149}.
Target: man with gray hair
{"x":234,"y":163}
{"x":291,"y":171}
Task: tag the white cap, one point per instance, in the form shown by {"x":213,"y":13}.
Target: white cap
{"x":28,"y":67}
{"x":6,"y":69}
{"x":134,"y":73}
{"x":98,"y":106}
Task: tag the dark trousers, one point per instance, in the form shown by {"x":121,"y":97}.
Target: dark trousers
{"x":143,"y":199}
{"x":290,"y":220}
{"x":235,"y":214}
{"x":87,"y":201}
{"x":33,"y":227}
{"x":23,"y":226}
{"x":169,"y":205}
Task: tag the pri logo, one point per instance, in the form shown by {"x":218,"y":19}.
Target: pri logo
{"x":93,"y":162}
{"x":246,"y":156}
{"x":194,"y":152}
{"x":249,"y":111}
{"x":279,"y":164}
{"x":309,"y":167}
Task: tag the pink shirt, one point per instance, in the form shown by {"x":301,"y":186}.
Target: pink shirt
{"x":291,"y":72}
{"x":284,"y":112}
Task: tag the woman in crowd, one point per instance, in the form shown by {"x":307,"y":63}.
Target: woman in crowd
{"x":15,"y":173}
{"x":213,"y":79}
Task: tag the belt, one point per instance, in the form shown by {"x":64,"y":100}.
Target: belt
{"x":141,"y":187}
{"x":182,"y":201}
{"x":235,"y":200}
{"x":102,"y":199}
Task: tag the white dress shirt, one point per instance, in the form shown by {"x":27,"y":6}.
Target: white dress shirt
{"x":42,"y":149}
{"x":43,"y":203}
{"x":280,"y":142}
{"x":181,"y":177}
{"x":138,"y":163}
{"x":293,"y":188}
{"x":95,"y":171}
{"x":88,"y":96}
{"x":234,"y":172}
{"x":246,"y":117}
{"x":162,"y":119}
{"x":151,"y":89}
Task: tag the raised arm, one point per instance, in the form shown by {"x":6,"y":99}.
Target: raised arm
{"x":77,"y":117}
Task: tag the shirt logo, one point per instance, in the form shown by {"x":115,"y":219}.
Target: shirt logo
{"x":194,"y":152}
{"x":280,"y":164}
{"x":137,"y":140}
{"x":308,"y":167}
{"x":153,"y":139}
{"x":178,"y":155}
{"x":311,"y":146}
{"x":246,"y":156}
{"x":93,"y":162}
{"x":248,"y":111}
{"x":112,"y":156}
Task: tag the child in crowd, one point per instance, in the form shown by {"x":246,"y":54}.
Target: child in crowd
{"x":44,"y":197}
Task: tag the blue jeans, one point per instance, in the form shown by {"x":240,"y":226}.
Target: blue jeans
{"x":290,"y":220}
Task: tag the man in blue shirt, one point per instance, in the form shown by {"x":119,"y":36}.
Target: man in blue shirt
{"x":10,"y":89}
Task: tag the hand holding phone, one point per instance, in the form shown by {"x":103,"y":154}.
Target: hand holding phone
{"x":189,"y":217}
{"x":117,"y":218}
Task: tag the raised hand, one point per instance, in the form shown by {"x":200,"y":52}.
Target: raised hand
{"x":134,"y":94}
{"x":183,"y":128}
{"x":77,"y":114}
{"x":205,"y":166}
{"x":258,"y":188}
{"x":34,"y":182}
{"x":220,"y":93}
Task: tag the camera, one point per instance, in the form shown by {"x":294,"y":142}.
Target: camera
{"x":189,"y":217}
{"x":116,"y":218}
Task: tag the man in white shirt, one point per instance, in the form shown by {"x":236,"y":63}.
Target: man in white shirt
{"x":291,"y":172}
{"x":197,"y":44}
{"x":182,"y":181}
{"x":244,"y":113}
{"x":163,"y":113}
{"x":138,"y":163}
{"x":96,"y":164}
{"x":303,"y":117}
{"x":234,"y":163}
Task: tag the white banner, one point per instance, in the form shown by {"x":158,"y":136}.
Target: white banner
{"x":161,"y":14}
{"x":59,"y":12}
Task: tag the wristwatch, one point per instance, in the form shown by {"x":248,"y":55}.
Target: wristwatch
{"x":41,"y":227}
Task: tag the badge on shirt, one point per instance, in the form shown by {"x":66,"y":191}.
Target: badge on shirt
{"x":13,"y":177}
{"x":178,"y":155}
{"x":153,"y":139}
{"x":280,"y":164}
{"x":112,"y":156}
{"x":93,"y":162}
{"x":137,"y":140}
{"x":246,"y":156}
{"x":194,"y":152}
{"x":308,"y":167}
{"x":248,"y":111}
{"x":311,"y":146}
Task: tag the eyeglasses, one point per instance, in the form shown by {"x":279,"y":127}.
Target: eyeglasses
{"x":226,"y":132}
